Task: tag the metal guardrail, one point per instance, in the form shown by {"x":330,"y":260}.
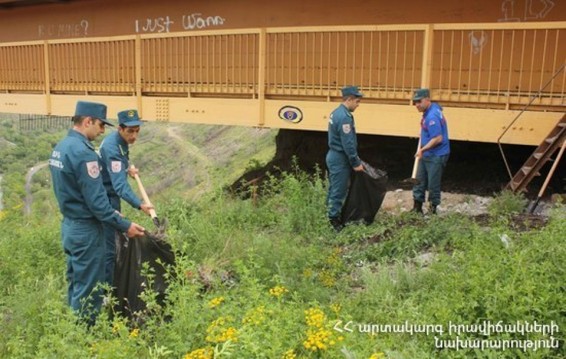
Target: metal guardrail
{"x":493,"y":65}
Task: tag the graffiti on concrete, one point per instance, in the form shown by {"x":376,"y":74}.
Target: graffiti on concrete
{"x":478,"y":39}
{"x":79,"y":29}
{"x":513,"y":11}
{"x":196,"y":21}
{"x":158,"y":24}
{"x":188,"y":22}
{"x":533,"y":10}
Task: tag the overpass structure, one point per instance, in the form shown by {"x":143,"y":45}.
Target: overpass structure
{"x":483,"y":73}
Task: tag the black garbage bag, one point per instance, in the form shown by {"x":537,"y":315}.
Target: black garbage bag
{"x":367,"y":190}
{"x":129,"y":282}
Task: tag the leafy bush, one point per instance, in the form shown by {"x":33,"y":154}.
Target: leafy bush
{"x":507,"y":203}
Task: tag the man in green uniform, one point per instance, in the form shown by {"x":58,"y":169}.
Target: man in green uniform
{"x":83,"y":202}
{"x":342,"y":156}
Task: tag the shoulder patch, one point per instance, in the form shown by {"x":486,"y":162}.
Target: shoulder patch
{"x":346,"y":128}
{"x":431,"y":123}
{"x":93,"y":169}
{"x":116,"y":166}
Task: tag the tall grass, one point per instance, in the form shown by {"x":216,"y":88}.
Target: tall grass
{"x":270,"y":279}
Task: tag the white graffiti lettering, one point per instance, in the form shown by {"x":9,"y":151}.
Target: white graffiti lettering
{"x":159,"y":24}
{"x":189,"y":22}
{"x":478,"y":39}
{"x":196,"y":21}
{"x":533,"y":10}
{"x":63,"y":30}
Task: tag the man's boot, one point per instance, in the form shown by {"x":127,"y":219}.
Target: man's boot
{"x":418,"y":207}
{"x":432,"y":209}
{"x":336,"y":223}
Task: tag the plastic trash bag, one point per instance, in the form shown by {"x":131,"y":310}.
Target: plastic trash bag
{"x":129,"y":282}
{"x":365,"y":196}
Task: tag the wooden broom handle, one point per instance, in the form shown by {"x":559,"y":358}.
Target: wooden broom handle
{"x":144,"y":193}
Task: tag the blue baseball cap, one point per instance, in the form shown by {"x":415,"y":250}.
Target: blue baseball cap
{"x":351,"y":91}
{"x":420,"y":94}
{"x":129,"y":118}
{"x":92,"y":109}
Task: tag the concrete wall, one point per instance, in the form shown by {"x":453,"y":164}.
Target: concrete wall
{"x":94,"y":18}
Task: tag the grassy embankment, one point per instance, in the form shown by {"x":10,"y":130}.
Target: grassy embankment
{"x":271,"y":280}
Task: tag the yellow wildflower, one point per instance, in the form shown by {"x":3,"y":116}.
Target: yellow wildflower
{"x":327,"y":279}
{"x":379,"y":355}
{"x":289,"y":354}
{"x":334,"y":258}
{"x":204,"y":353}
{"x":278,"y":291}
{"x":117,"y":327}
{"x":217,"y":333}
{"x":215,"y":302}
{"x":315,"y":317}
{"x":320,"y":340}
{"x":255,"y":316}
{"x":336,"y":307}
{"x":134,"y":333}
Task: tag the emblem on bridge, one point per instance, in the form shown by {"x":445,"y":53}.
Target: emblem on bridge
{"x":291,"y":114}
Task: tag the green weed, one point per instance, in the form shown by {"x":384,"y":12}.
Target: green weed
{"x":506,"y":204}
{"x":269,"y":279}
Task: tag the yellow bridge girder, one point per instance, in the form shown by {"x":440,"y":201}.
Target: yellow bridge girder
{"x":466,"y":124}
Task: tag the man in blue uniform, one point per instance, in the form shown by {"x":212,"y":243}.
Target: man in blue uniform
{"x":75,"y":172}
{"x":342,"y":155}
{"x":114,"y":155}
{"x":433,"y":152}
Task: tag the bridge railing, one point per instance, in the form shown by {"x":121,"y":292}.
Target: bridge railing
{"x":498,"y":63}
{"x":495,"y":65}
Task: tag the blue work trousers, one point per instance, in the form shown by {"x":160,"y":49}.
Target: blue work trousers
{"x":110,"y":237}
{"x":429,"y":176}
{"x":83,"y":242}
{"x":339,"y":172}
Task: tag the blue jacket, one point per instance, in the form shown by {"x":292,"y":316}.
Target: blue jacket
{"x":433,"y":124}
{"x":342,"y":134}
{"x":114,"y":154}
{"x":77,"y":183}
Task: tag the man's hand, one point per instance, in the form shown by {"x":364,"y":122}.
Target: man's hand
{"x":419,"y":153}
{"x":135,"y":231}
{"x":132,"y":171}
{"x":146,"y":208}
{"x":359,"y":168}
{"x":435,"y":141}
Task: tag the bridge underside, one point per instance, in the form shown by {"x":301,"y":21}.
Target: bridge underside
{"x":467,"y":124}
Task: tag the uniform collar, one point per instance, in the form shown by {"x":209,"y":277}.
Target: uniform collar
{"x":76,"y":134}
{"x":120,"y":140}
{"x":346,"y":109}
{"x":122,"y":144}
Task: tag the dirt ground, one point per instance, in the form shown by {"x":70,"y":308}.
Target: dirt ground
{"x":400,"y":200}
